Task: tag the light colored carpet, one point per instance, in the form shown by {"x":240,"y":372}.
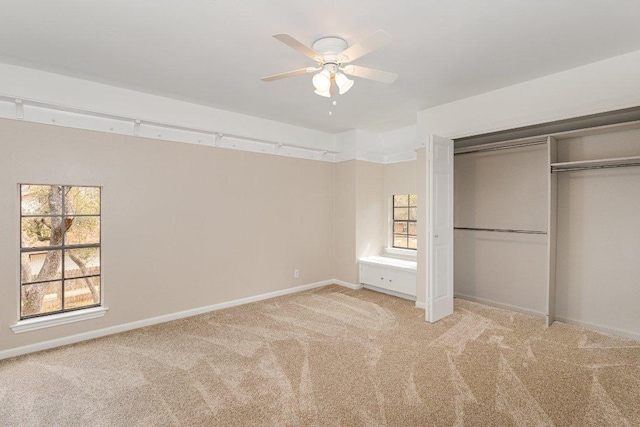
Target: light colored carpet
{"x":332,"y":357}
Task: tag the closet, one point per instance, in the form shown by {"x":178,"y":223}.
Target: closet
{"x":501,"y":225}
{"x":550,"y":225}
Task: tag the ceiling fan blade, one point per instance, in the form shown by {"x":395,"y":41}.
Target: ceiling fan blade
{"x":374,"y":41}
{"x":290,"y":74}
{"x":291,"y":42}
{"x":370,"y":73}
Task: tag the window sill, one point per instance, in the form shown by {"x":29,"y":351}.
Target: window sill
{"x":58,"y":319}
{"x":404,"y":253}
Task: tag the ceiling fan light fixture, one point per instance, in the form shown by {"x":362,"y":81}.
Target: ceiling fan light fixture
{"x":322,"y":81}
{"x":343,"y":83}
{"x":325,"y":93}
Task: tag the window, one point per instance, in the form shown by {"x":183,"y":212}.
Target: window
{"x":59,"y":249}
{"x":405,"y":231}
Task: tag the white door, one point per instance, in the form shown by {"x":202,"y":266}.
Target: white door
{"x":439,"y":293}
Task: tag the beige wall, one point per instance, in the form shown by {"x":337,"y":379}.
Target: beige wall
{"x":184,"y":226}
{"x":502,"y":189}
{"x":371,"y":209}
{"x":360,"y":215}
{"x":400,"y":178}
{"x":346,"y":268}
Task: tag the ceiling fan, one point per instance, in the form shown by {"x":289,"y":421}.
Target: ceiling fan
{"x":333,"y":57}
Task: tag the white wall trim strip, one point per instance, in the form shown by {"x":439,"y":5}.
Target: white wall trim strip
{"x":6,"y":354}
{"x":51,"y":114}
{"x":403,"y":156}
{"x":46,"y":113}
{"x":80,"y":95}
{"x":373,"y":157}
{"x":44,"y":97}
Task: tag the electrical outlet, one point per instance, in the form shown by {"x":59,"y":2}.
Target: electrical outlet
{"x":296,"y":273}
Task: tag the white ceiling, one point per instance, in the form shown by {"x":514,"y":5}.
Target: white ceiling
{"x":214,"y":52}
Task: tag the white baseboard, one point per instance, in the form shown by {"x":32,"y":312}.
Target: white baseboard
{"x":346,"y":284}
{"x":501,"y":305}
{"x":599,"y":328}
{"x":421,"y":305}
{"x":46,"y":345}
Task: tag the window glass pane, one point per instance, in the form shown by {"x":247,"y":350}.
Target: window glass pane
{"x":413,"y":229}
{"x":81,"y":292}
{"x":41,"y":199}
{"x":39,"y":266}
{"x":405,"y":214}
{"x":413,"y":214}
{"x":82,"y":262}
{"x":399,"y":241}
{"x":400,"y":200}
{"x":41,"y":231}
{"x":401,"y":213}
{"x":413,"y":242}
{"x":82,"y":201}
{"x":41,"y":298}
{"x":83,"y":230}
{"x":27,"y":271}
{"x":400,"y":227}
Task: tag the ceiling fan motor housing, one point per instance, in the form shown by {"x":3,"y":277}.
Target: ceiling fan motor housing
{"x":330,"y":48}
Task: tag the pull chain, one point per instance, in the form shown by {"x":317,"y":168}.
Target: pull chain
{"x":333,"y":103}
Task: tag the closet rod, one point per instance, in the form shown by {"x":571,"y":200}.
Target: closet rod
{"x":502,"y":147}
{"x":501,"y":230}
{"x":581,"y":168}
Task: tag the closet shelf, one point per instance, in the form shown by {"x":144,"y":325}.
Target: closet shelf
{"x":596,"y":164}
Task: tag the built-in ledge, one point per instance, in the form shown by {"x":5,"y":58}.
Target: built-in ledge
{"x":395,"y":263}
{"x":409,"y":254}
{"x":58,"y":319}
{"x":389,"y":275}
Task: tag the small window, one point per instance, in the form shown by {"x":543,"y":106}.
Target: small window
{"x":405,"y":231}
{"x":59,"y":249}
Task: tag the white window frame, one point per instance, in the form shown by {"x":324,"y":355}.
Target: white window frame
{"x":389,"y":249}
{"x":57,"y":318}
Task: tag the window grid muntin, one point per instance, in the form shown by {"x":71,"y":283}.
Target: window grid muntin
{"x":63,"y":248}
{"x":406,"y":236}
